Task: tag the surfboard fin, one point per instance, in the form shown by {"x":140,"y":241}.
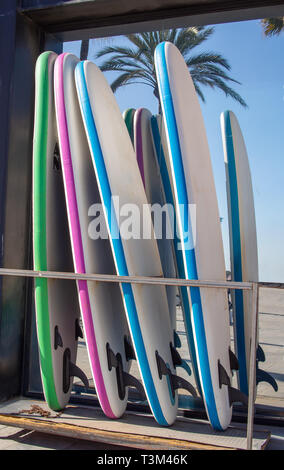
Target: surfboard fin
{"x":178,"y":361}
{"x":186,"y":367}
{"x":177,"y":341}
{"x":234,"y":363}
{"x":58,"y":342}
{"x":129,"y":350}
{"x":131,"y":381}
{"x":75,"y":371}
{"x":123,"y":378}
{"x":56,"y":158}
{"x":71,"y":370}
{"x":78,"y":330}
{"x":260,"y":356}
{"x":263,"y":376}
{"x":235,"y":395}
{"x":176,"y":382}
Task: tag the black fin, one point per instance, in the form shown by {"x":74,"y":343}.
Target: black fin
{"x":56,"y":158}
{"x":75,"y":371}
{"x":179,"y":382}
{"x":262,"y":376}
{"x":186,"y":367}
{"x":175,"y":381}
{"x":162,"y":367}
{"x":71,"y":370}
{"x":57,"y":338}
{"x":234,"y":363}
{"x":123,"y":378}
{"x":177,"y":341}
{"x":177,"y":360}
{"x":131,"y":381}
{"x":224,"y":378}
{"x":78,"y":330}
{"x":111,"y":358}
{"x":235,"y":395}
{"x":129,"y":350}
{"x":260,"y":356}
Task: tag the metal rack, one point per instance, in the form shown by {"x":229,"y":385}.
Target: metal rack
{"x":28,"y":27}
{"x":253,"y":287}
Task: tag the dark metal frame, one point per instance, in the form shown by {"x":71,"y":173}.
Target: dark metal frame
{"x":95,"y":18}
{"x":21,"y":41}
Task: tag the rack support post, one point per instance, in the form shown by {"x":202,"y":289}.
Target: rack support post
{"x":252,"y":364}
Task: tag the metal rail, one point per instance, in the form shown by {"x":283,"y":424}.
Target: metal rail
{"x":125,"y":279}
{"x":249,"y":286}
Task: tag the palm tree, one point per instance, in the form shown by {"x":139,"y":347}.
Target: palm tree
{"x":273,"y":26}
{"x":135,"y":62}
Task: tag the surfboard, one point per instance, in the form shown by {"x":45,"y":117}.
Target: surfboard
{"x":122,"y":192}
{"x":243,"y":243}
{"x":128,"y":116}
{"x":56,"y":303}
{"x":200,"y":237}
{"x":163,"y":163}
{"x":145,"y":154}
{"x":106,"y":331}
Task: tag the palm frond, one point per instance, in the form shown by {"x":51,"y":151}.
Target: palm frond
{"x":135,"y":63}
{"x":221,"y":85}
{"x":273,"y":26}
{"x":199,"y":92}
{"x":206,"y":58}
{"x":189,"y":38}
{"x":128,"y":78}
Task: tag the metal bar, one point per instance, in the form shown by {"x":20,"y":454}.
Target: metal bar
{"x":138,"y":279}
{"x":274,"y":285}
{"x":125,"y":279}
{"x":252,"y":364}
{"x":71,"y":21}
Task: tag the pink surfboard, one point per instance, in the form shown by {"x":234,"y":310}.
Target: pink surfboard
{"x":105,"y":326}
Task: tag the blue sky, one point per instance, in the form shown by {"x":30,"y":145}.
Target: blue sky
{"x":257,"y":62}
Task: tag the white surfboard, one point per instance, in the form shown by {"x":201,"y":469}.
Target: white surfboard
{"x":105,"y":326}
{"x":201,"y":239}
{"x":163,"y":163}
{"x":243,"y":243}
{"x":118,"y":177}
{"x":162,"y":218}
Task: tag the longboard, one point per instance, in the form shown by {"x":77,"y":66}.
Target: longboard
{"x":163,"y":162}
{"x":243,"y":244}
{"x":119,"y":181}
{"x":106,"y":332}
{"x":56,"y":303}
{"x":162,"y":217}
{"x":200,"y":237}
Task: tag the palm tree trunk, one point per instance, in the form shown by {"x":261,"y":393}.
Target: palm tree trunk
{"x":84,"y":49}
{"x":157,"y":95}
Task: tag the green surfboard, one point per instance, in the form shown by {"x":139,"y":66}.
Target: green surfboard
{"x":56,"y":300}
